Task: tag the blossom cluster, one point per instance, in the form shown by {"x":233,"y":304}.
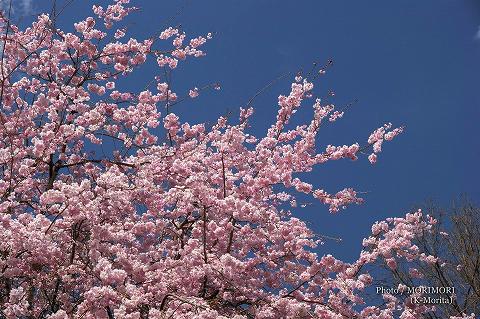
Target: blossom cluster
{"x":179,"y":220}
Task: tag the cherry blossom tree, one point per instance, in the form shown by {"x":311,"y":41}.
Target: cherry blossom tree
{"x":178,"y":220}
{"x":455,"y":242}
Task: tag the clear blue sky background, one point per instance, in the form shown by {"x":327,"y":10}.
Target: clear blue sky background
{"x":413,"y":63}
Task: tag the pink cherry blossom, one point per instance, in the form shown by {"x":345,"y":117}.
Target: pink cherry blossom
{"x":193,"y":93}
{"x":178,"y":220}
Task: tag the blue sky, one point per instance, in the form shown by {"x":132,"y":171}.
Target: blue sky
{"x":412,"y":63}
